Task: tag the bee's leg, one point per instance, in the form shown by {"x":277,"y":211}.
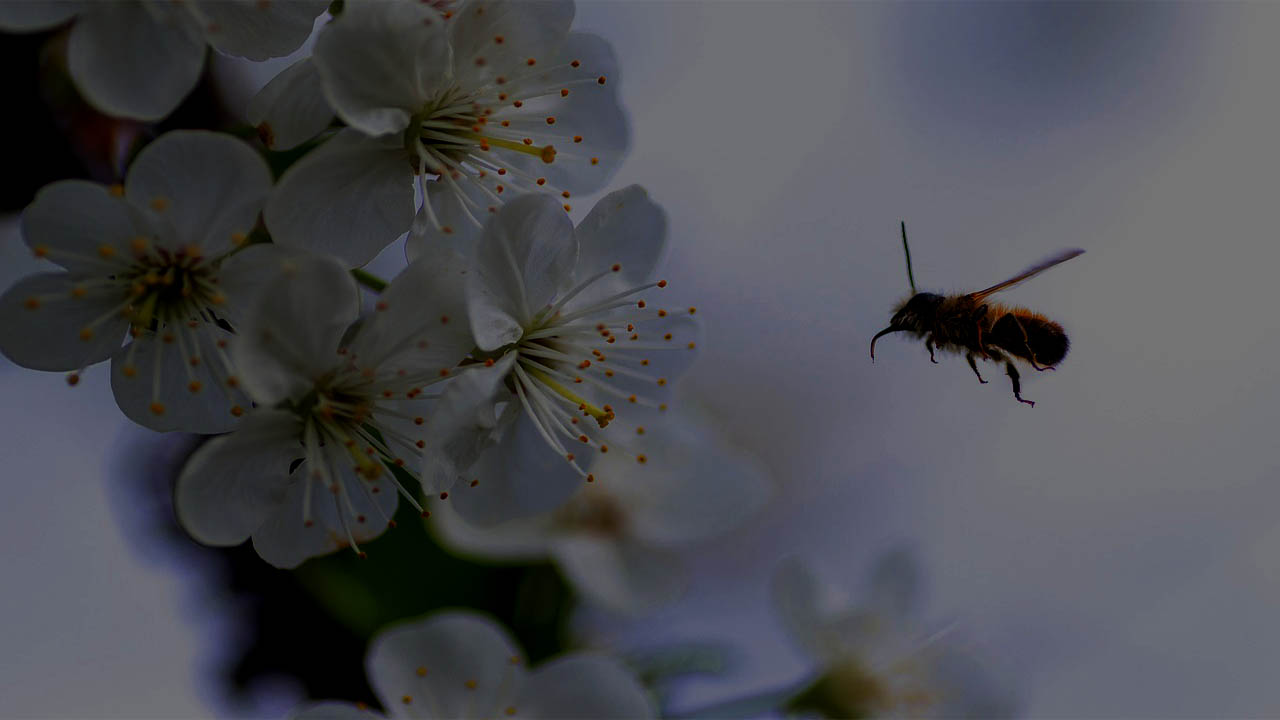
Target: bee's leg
{"x":977,"y":317}
{"x":1012,"y":372}
{"x":970,"y":357}
{"x":1026,"y":342}
{"x":928,"y":344}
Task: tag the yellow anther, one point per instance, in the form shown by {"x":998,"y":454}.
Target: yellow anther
{"x":159,"y":203}
{"x":106,"y":251}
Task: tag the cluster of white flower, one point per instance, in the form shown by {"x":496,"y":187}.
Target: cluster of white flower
{"x":511,"y":383}
{"x":225,"y":304}
{"x":462,"y":665}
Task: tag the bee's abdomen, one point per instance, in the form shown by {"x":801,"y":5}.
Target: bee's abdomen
{"x":1029,"y":336}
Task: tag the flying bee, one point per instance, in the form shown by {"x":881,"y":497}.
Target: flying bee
{"x":969,"y":324}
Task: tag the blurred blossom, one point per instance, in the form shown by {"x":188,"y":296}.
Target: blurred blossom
{"x":160,"y":260}
{"x":620,"y":539}
{"x":140,"y":59}
{"x":493,"y":100}
{"x":558,"y":323}
{"x":346,"y":403}
{"x":873,"y":659}
{"x":461,"y":664}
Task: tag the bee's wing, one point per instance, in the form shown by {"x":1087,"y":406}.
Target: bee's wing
{"x":1029,"y":273}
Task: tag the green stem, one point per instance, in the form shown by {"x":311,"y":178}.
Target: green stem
{"x":747,"y":706}
{"x":369,"y":280}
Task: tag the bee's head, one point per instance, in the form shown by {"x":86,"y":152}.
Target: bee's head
{"x":915,"y":315}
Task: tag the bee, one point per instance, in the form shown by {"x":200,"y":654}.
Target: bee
{"x":969,"y":324}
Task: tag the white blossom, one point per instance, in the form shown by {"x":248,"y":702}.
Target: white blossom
{"x":873,"y":659}
{"x":472,"y":107}
{"x":462,"y":664}
{"x":620,"y":539}
{"x":345,"y":399}
{"x":565,"y":335}
{"x":139,"y":59}
{"x":161,"y":262}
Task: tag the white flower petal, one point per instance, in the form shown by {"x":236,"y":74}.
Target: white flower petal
{"x":517,"y":477}
{"x":452,"y":664}
{"x":521,"y":540}
{"x":584,"y":685}
{"x":285,"y":541}
{"x":291,"y":340}
{"x":209,"y":186}
{"x":292,"y":108}
{"x":259,"y":30}
{"x":495,"y":37}
{"x":192,"y":398}
{"x":36,"y":15}
{"x":691,"y":488}
{"x":526,"y":256}
{"x":895,"y":583}
{"x":351,"y":197}
{"x":233,"y":483}
{"x":463,"y":424}
{"x":421,"y":319}
{"x":78,"y":218}
{"x":624,"y":227}
{"x":622,"y":576}
{"x":380,"y":62}
{"x":334,"y":710}
{"x":135,"y":60}
{"x":243,"y":277}
{"x":41,"y":324}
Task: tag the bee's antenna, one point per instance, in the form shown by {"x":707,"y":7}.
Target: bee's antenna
{"x":910,"y":278}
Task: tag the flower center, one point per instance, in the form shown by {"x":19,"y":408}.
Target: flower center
{"x":851,"y":689}
{"x":484,"y":141}
{"x":453,"y":127}
{"x":575,"y":357}
{"x":172,"y":294}
{"x":166,"y":286}
{"x":359,"y":419}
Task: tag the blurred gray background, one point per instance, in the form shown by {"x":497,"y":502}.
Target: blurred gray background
{"x":1113,"y":551}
